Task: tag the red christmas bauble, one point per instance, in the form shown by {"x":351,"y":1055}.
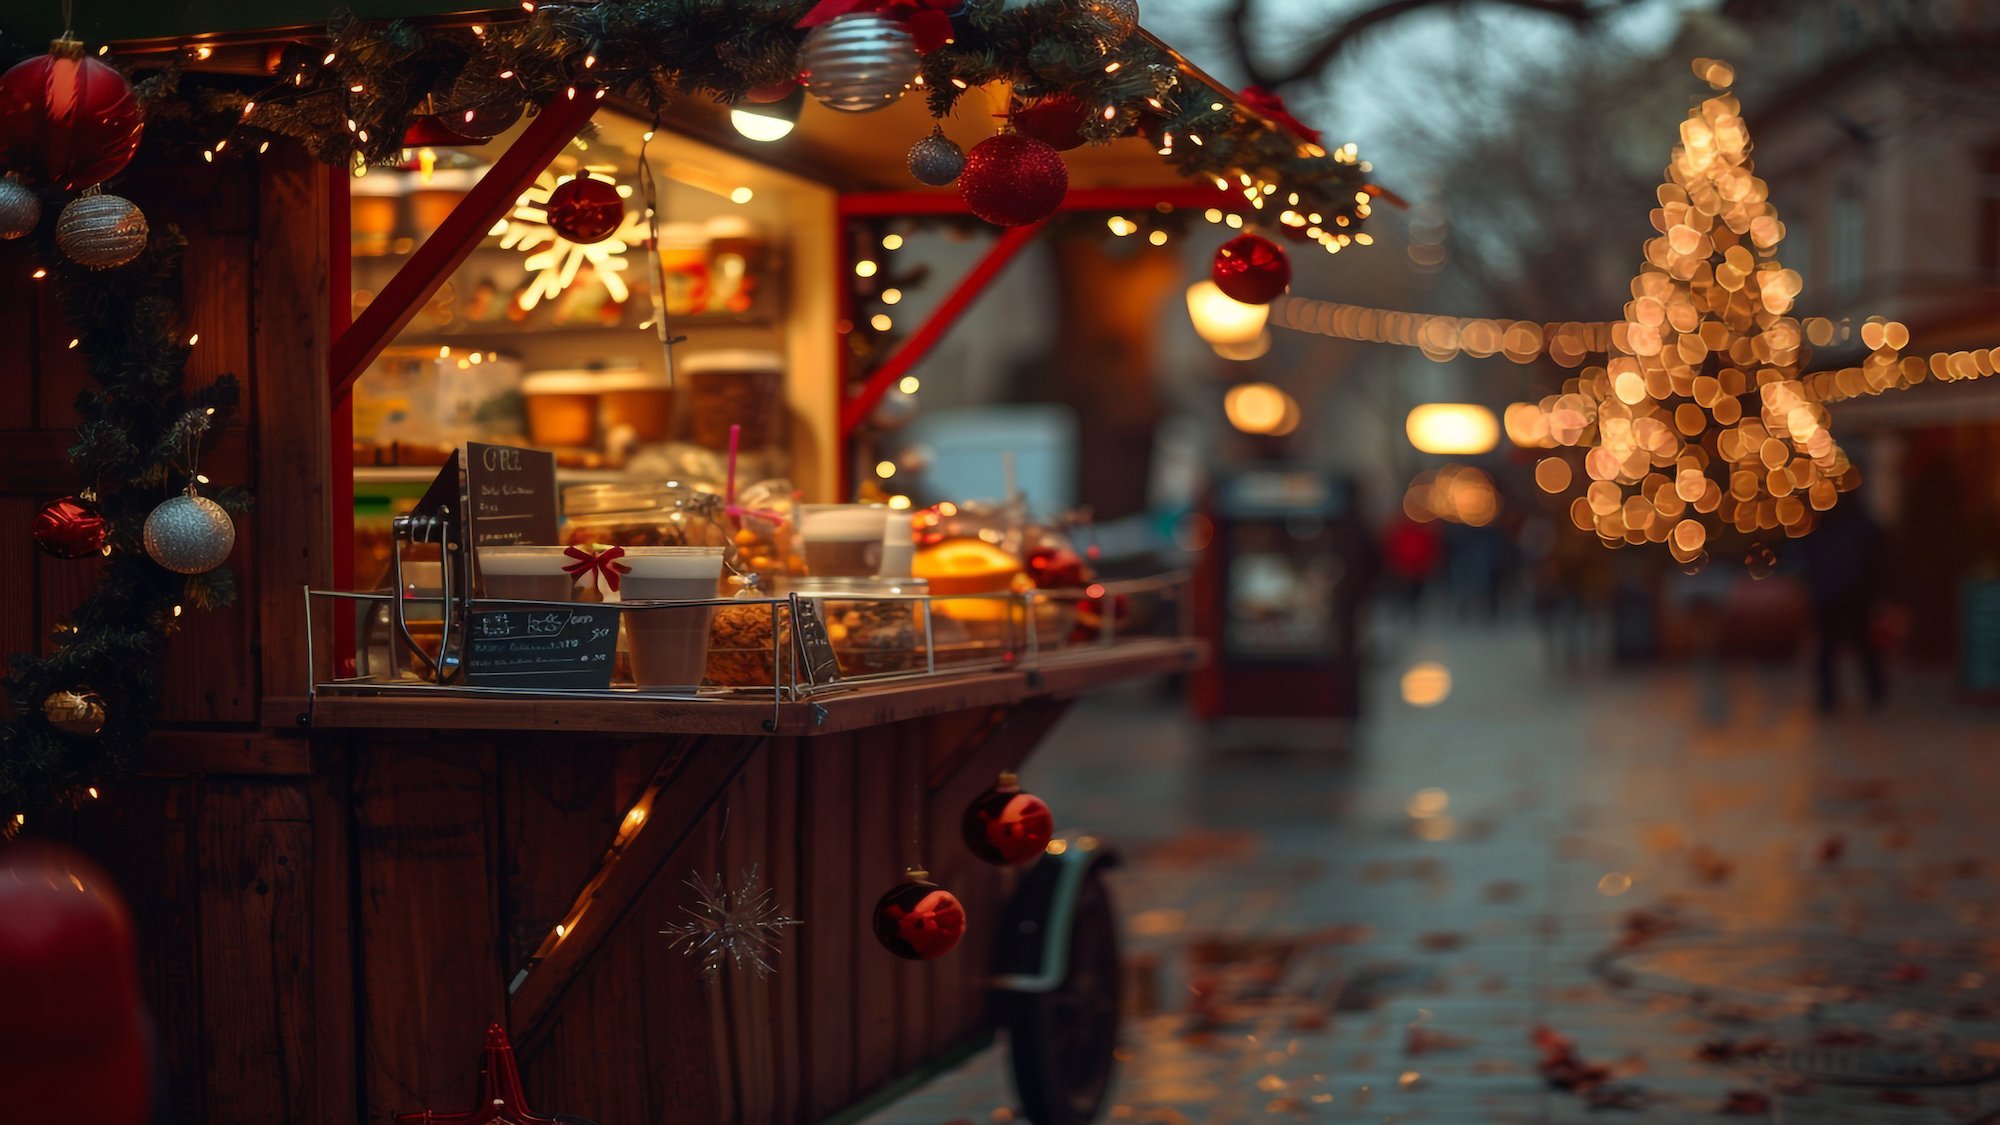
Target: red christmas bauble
{"x":1251,"y":269}
{"x":585,"y":210}
{"x":1011,"y":180}
{"x":919,"y":920}
{"x":67,"y":117}
{"x":1006,"y":826}
{"x":1056,"y":121}
{"x":774,"y":92}
{"x":69,"y":529}
{"x":73,"y":1045}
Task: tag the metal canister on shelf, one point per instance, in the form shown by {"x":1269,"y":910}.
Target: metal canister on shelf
{"x":734,"y":388}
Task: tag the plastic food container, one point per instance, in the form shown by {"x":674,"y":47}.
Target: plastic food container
{"x":562,"y":407}
{"x":636,"y":401}
{"x":740,"y":388}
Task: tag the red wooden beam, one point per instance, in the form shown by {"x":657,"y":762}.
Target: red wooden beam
{"x":935,"y":326}
{"x":891,"y":203}
{"x":453,"y":241}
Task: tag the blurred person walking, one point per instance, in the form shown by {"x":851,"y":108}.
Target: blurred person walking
{"x":1844,"y":567}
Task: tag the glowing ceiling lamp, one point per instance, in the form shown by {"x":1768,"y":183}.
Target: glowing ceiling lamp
{"x":1453,"y":428}
{"x":1221,"y":320}
{"x":768,"y":121}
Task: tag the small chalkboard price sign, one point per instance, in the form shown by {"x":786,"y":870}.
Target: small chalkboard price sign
{"x":570,"y":648}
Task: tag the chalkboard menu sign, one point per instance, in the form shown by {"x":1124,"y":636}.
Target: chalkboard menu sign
{"x":542,"y":647}
{"x":510,"y":494}
{"x":1979,"y":645}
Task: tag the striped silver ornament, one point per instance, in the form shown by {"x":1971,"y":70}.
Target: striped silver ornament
{"x":20,"y":208}
{"x":101,"y":231}
{"x":858,"y":62}
{"x":189,"y":534}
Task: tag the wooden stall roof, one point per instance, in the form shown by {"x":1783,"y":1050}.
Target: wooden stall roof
{"x":1062,"y":676}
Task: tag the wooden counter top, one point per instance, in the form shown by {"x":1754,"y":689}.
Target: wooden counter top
{"x":1062,"y":675}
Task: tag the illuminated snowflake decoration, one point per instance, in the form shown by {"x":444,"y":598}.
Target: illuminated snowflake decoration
{"x":739,"y":927}
{"x":555,"y":261}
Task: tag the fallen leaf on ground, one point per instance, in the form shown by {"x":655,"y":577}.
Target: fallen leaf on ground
{"x":1745,"y":1103}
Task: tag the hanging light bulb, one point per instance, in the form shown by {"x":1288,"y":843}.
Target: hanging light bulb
{"x":768,"y":121}
{"x":1221,"y":320}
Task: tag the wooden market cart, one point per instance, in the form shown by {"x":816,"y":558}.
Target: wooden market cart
{"x":335,"y":893}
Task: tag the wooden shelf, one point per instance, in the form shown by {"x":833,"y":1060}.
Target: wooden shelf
{"x":1062,"y":675}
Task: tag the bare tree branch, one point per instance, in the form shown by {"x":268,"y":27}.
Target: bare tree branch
{"x":1343,"y":35}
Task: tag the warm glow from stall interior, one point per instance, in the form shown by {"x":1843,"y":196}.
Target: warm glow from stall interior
{"x":1219,"y":319}
{"x":1452,"y":428}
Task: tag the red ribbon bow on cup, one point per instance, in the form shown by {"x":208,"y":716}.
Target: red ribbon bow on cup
{"x":600,"y":569}
{"x":1273,"y":107}
{"x":927,"y":20}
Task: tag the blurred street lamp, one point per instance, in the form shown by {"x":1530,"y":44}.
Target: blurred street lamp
{"x":1452,"y":428}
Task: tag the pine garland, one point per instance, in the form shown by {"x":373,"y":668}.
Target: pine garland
{"x":140,"y":428}
{"x":353,"y":96}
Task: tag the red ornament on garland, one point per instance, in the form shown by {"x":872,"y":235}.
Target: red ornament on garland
{"x":771,"y":92}
{"x":919,"y":920}
{"x":500,"y":1099}
{"x":69,"y":528}
{"x":585,"y":210}
{"x":1251,"y":269}
{"x":1056,"y":121}
{"x":1006,"y":826}
{"x":1012,"y":180}
{"x":67,"y":117}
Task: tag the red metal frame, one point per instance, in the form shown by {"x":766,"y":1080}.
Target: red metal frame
{"x":453,"y":241}
{"x":873,"y":204}
{"x":888,"y":204}
{"x":934,"y":327}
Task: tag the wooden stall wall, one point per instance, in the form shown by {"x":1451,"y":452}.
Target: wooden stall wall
{"x":229,"y":850}
{"x":460,"y":840}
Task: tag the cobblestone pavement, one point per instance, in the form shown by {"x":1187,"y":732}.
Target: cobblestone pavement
{"x":1661,"y":896}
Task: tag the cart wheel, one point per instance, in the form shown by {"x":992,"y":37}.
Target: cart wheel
{"x":1062,"y":1042}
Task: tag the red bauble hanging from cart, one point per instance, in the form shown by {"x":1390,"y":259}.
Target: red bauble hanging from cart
{"x":1006,"y":826}
{"x":1056,"y":120}
{"x":67,"y":118}
{"x":918,"y":920}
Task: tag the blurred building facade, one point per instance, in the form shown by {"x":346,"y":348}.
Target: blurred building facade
{"x":1877,"y":127}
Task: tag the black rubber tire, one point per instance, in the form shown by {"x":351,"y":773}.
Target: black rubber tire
{"x":1064,"y":1043}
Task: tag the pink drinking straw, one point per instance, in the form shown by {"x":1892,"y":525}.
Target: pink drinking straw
{"x":730,"y":507}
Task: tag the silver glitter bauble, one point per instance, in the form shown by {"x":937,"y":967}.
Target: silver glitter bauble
{"x":20,"y":208}
{"x":189,"y":535}
{"x":858,"y":62}
{"x":79,"y":712}
{"x":101,"y":231}
{"x":936,"y":160}
{"x":1118,"y":18}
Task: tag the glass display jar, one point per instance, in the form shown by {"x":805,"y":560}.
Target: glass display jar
{"x":873,"y":629}
{"x":643,"y":514}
